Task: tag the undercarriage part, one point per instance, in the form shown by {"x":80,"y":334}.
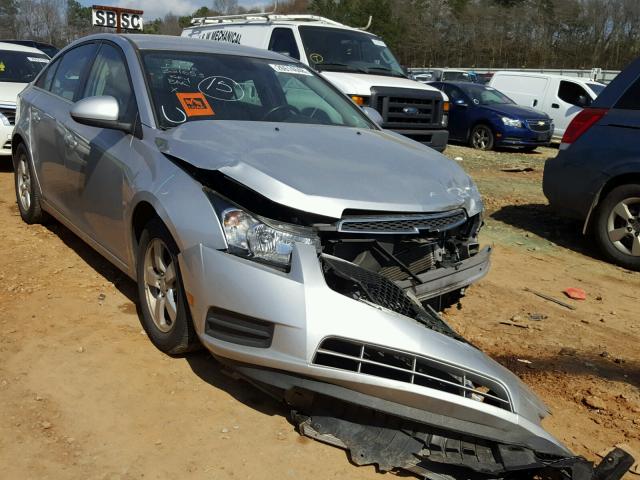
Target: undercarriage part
{"x":389,"y":443}
{"x":364,"y":285}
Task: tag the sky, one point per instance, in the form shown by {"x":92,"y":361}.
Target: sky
{"x":159,"y":8}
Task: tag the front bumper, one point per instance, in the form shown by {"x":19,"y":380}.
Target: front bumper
{"x":522,"y":137}
{"x":304,"y":311}
{"x":436,"y":139}
{"x":5,"y":140}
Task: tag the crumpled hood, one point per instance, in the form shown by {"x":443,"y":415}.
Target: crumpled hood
{"x":325,"y":169}
{"x":9,"y":91}
{"x":517,"y":111}
{"x":360,"y":84}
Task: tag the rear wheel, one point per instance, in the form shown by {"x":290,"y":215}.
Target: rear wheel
{"x":165,"y":314}
{"x":617,"y":226}
{"x":481,"y":138}
{"x":27,"y":194}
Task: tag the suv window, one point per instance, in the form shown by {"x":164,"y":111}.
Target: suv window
{"x":67,"y":79}
{"x":283,"y":41}
{"x":109,"y":76}
{"x":574,"y":94}
{"x":630,"y":100}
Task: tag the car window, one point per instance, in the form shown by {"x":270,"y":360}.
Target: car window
{"x":630,"y":100}
{"x":109,"y":76}
{"x":67,"y":80}
{"x":188,"y":87}
{"x":45,"y":79}
{"x":574,"y":94}
{"x":20,"y":67}
{"x":453,"y":93}
{"x":283,"y":41}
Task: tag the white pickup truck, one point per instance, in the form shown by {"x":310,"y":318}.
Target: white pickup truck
{"x":357,"y":62}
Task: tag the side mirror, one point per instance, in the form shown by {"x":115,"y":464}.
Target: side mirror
{"x":373,"y":115}
{"x":101,"y":112}
{"x":583,"y":101}
{"x":460,"y":103}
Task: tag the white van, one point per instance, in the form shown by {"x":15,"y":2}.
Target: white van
{"x":358,"y":63}
{"x":559,"y":97}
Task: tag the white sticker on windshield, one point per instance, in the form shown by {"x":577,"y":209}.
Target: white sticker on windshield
{"x":38,"y":59}
{"x":378,"y":42}
{"x":293,"y":69}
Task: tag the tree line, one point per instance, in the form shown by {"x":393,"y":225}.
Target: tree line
{"x":422,"y":33}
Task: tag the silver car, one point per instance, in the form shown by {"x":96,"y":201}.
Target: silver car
{"x":266,"y":217}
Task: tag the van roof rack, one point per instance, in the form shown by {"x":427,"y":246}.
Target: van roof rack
{"x":261,"y":17}
{"x":268,"y":18}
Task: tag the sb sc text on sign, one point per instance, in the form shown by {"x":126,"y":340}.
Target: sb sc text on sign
{"x":116,"y":18}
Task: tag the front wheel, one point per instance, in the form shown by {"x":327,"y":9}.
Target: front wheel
{"x":617,"y":226}
{"x":27,"y":194}
{"x":481,"y":138}
{"x":165,"y":314}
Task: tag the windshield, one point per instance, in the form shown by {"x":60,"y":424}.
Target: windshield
{"x":457,"y":77}
{"x":334,"y":49}
{"x":596,"y":88}
{"x":197,"y":86}
{"x":481,"y":95}
{"x":20,"y":67}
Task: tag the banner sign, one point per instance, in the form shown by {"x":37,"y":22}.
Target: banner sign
{"x":115,"y":17}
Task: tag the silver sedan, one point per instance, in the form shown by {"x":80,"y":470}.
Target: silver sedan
{"x":267,"y":217}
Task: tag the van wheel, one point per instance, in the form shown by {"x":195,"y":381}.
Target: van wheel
{"x":27,"y":194}
{"x":617,"y":226}
{"x":165,"y":314}
{"x":481,"y":138}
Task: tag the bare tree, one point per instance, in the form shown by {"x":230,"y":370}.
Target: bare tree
{"x":226,"y":7}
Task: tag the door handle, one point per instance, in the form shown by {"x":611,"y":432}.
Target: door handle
{"x":535,"y":103}
{"x":555,"y":105}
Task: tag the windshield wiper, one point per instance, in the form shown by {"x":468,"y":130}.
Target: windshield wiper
{"x":388,"y":70}
{"x":322,"y":66}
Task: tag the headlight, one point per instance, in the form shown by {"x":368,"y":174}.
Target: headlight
{"x":511,"y":122}
{"x":4,"y":120}
{"x":263,"y":240}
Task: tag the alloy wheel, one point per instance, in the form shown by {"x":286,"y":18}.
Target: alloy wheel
{"x":623,"y":226}
{"x":24,"y":183}
{"x":481,"y":138}
{"x":161,"y":284}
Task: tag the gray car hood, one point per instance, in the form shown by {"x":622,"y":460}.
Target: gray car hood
{"x":324,"y":169}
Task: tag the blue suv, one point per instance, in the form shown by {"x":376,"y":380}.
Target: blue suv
{"x":485,"y":118}
{"x":596,"y":175}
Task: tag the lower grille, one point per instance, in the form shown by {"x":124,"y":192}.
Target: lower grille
{"x":540,"y":126}
{"x":361,"y":284}
{"x":403,"y":224}
{"x":10,"y":113}
{"x":368,"y":359}
{"x":240,"y":329}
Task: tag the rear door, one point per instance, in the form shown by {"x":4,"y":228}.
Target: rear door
{"x":458,"y":111}
{"x":52,"y":140}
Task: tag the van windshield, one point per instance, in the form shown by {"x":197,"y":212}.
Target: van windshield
{"x":339,"y":50}
{"x":20,"y":67}
{"x":188,"y":87}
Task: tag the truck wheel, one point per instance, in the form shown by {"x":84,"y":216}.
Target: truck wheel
{"x":163,"y":304}
{"x":27,"y":194}
{"x":481,"y":138}
{"x":617,"y":226}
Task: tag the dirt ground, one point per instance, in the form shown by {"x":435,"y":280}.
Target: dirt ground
{"x":84,"y":394}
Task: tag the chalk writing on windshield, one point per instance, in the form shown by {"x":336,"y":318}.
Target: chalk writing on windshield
{"x":221,"y":88}
{"x":164,"y":114}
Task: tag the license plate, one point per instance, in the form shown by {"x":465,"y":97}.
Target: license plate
{"x":543,"y":137}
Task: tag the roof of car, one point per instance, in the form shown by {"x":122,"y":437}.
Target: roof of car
{"x":19,"y":48}
{"x":187,"y":44}
{"x":545,"y":75}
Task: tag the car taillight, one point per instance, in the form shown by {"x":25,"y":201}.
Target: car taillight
{"x":581,"y":123}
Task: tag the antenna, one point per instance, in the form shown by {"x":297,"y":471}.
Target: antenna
{"x":368,"y":23}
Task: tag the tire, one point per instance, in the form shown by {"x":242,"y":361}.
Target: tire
{"x":163,"y":305}
{"x":617,"y":226}
{"x":481,"y":137}
{"x":27,"y":194}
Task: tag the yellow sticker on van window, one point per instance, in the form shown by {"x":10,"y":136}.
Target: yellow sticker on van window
{"x":2,"y":67}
